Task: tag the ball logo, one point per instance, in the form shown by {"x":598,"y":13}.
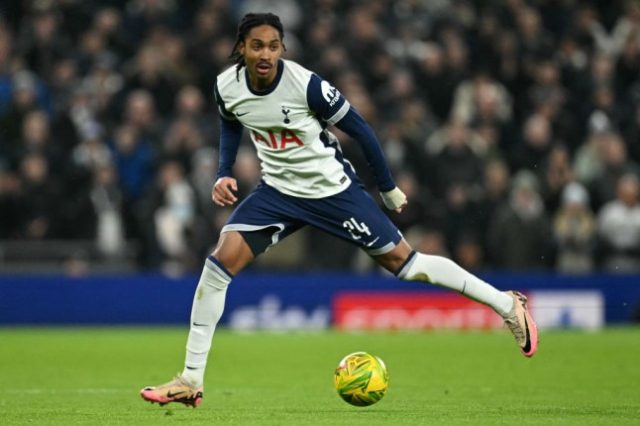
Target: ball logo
{"x":329,"y":93}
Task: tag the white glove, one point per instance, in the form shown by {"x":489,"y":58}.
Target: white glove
{"x":394,"y":199}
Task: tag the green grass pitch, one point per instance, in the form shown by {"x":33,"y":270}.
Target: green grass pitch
{"x":69,"y":376}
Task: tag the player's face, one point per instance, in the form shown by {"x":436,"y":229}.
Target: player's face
{"x":261,"y":50}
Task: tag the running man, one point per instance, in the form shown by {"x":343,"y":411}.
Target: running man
{"x":305,"y":181}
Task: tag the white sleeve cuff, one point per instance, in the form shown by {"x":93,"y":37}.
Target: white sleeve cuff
{"x":344,"y":109}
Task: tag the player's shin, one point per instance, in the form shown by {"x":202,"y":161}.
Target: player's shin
{"x":444,"y":272}
{"x":207,"y":308}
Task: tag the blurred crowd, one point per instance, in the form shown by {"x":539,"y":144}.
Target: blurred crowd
{"x":513,"y":126}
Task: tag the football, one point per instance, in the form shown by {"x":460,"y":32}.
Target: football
{"x":361,"y":379}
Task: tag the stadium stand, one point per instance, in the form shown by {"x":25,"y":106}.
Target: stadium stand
{"x":513,"y":126}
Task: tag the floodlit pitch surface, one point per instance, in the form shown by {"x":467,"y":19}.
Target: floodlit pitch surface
{"x":92,"y":376}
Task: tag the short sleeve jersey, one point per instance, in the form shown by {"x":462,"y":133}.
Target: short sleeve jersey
{"x":288,"y":126}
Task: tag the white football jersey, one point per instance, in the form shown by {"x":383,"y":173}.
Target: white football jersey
{"x":287,"y":123}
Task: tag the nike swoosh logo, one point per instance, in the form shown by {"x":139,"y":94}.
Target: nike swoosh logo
{"x":172,"y":394}
{"x":527,"y":345}
{"x":240,"y":114}
{"x":199,"y":325}
{"x":373,"y":242}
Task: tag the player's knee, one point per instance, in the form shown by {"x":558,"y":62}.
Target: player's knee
{"x":232,"y":252}
{"x":391,"y":261}
{"x":228,"y":261}
{"x":394,"y":260}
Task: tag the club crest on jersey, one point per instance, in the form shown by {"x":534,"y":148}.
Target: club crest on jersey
{"x":277,"y":140}
{"x":329,"y":93}
{"x":286,"y":112}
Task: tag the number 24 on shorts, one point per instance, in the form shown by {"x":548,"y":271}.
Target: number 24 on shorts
{"x":354,"y":228}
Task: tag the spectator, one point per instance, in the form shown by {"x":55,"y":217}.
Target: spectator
{"x":5,"y":67}
{"x":42,"y":42}
{"x":24,"y":100}
{"x":534,"y":147}
{"x":546,"y":85}
{"x":535,"y":40}
{"x":36,"y":138}
{"x":181,"y":140}
{"x":427,"y":240}
{"x":133,"y":157}
{"x":91,"y":46}
{"x":246,"y":172}
{"x":468,"y":252}
{"x":107,"y":201}
{"x":588,"y":160}
{"x":434,"y":81}
{"x":142,"y":16}
{"x":174,"y":217}
{"x":520,"y":233}
{"x":64,"y":79}
{"x":203,"y":168}
{"x":140,"y":114}
{"x":574,"y":228}
{"x":632,"y":130}
{"x":507,"y":68}
{"x":416,"y":212}
{"x":627,"y":68}
{"x":495,"y":195}
{"x":177,"y":65}
{"x":481,"y":92}
{"x":107,"y":23}
{"x":457,"y":173}
{"x":104,"y":83}
{"x":10,"y":211}
{"x":615,"y":163}
{"x":39,"y":198}
{"x":556,"y":174}
{"x":149,"y":77}
{"x":79,"y":121}
{"x":190,"y":104}
{"x":619,"y":228}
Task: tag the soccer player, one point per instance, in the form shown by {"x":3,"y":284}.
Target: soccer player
{"x":305,"y":181}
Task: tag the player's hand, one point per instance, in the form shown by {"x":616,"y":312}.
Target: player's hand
{"x":222,"y":192}
{"x":394,"y":200}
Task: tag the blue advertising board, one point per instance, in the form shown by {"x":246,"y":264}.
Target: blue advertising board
{"x":306,"y":301}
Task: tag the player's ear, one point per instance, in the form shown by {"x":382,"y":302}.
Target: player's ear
{"x":241,"y":48}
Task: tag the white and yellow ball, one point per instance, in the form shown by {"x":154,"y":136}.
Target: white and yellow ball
{"x":361,"y":379}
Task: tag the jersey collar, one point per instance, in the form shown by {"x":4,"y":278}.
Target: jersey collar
{"x":273,"y":84}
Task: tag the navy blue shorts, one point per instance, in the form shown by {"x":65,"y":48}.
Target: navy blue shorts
{"x":266,"y":216}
